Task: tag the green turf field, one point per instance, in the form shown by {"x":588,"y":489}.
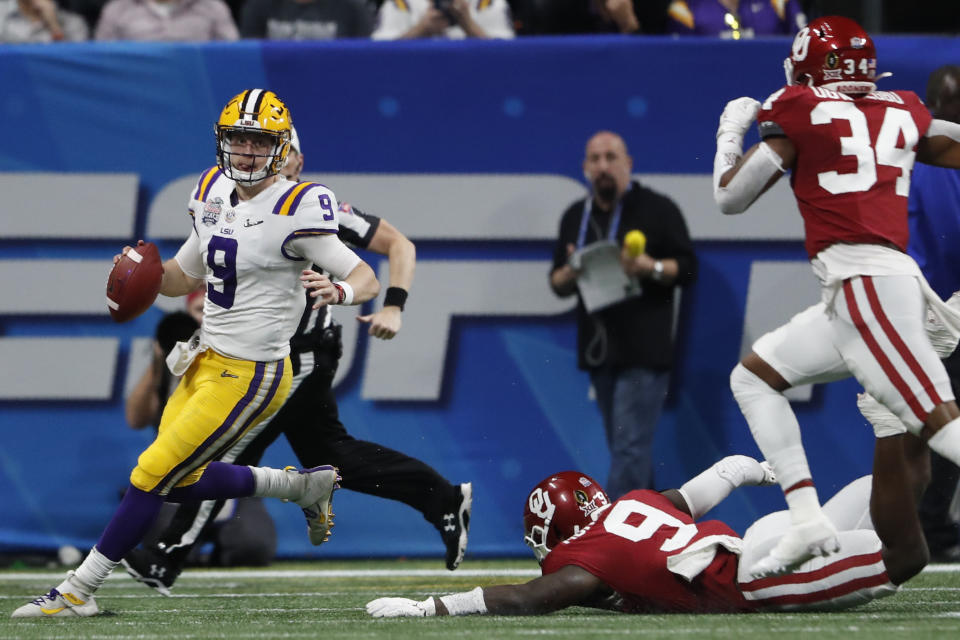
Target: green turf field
{"x":325,"y":600}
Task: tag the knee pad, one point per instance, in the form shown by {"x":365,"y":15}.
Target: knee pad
{"x":746,"y":384}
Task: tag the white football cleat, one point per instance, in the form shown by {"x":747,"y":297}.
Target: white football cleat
{"x":59,"y":605}
{"x":802,"y":542}
{"x":317,"y":500}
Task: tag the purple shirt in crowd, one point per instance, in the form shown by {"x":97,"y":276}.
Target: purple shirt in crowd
{"x":751,"y":18}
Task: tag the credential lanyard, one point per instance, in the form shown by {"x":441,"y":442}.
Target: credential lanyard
{"x":585,"y":219}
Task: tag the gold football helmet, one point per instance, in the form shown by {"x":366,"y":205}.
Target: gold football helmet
{"x":254,"y":124}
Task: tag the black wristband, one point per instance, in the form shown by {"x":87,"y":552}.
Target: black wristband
{"x":396,"y":297}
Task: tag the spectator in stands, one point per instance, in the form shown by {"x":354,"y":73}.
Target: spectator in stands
{"x":39,"y":21}
{"x":735,"y":19}
{"x":452,"y":19}
{"x":306,"y":19}
{"x":539,"y":17}
{"x":166,"y":20}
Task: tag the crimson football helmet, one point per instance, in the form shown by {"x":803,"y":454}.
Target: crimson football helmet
{"x":835,"y":53}
{"x":559,"y":507}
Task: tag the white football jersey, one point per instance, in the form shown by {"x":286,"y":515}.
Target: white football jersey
{"x":244,"y":251}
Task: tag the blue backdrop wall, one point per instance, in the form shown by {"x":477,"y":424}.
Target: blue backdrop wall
{"x":512,"y":407}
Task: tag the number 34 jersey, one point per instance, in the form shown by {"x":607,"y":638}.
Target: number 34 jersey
{"x":854,"y":159}
{"x":656,"y":558}
{"x":245,"y":252}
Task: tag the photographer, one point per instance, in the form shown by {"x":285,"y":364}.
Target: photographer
{"x":453,"y":19}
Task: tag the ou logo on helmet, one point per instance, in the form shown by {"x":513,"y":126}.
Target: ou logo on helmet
{"x":801,"y":44}
{"x":540,"y":505}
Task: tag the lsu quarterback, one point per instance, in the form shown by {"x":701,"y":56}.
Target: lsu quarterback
{"x":253,"y":236}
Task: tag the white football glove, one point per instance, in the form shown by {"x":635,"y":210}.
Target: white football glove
{"x":744,"y":471}
{"x":941,"y":336}
{"x":401,"y":608}
{"x":884,"y":422}
{"x":737,"y":116}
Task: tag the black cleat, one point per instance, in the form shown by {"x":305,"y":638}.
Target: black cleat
{"x":153,"y":569}
{"x":455,"y":524}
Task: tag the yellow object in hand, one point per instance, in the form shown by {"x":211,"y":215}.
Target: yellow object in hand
{"x":635,"y":242}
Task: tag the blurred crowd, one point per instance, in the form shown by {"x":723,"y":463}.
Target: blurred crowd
{"x":206,"y":20}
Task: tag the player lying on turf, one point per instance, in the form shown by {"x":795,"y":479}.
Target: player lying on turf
{"x":646,"y":553}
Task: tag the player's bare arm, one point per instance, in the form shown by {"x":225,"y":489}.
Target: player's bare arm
{"x":567,"y":587}
{"x":402,"y":258}
{"x":175,"y":282}
{"x":361,"y":285}
{"x":364,"y":283}
{"x":941,"y":145}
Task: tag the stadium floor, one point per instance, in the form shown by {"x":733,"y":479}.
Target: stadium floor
{"x":325,"y":600}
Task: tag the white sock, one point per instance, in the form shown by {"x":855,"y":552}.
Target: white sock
{"x":804,"y":505}
{"x":777,"y":432}
{"x":946,"y":441}
{"x":276,"y":483}
{"x":90,"y":575}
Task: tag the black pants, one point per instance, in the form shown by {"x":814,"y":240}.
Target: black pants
{"x":941,"y":531}
{"x":311,"y":422}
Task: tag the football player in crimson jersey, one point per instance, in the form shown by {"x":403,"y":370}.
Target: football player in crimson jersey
{"x":647,"y":552}
{"x":850,"y":149}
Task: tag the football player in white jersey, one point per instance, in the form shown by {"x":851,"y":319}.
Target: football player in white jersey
{"x":310,"y":419}
{"x":254,"y":234}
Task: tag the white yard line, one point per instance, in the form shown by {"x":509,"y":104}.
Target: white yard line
{"x":205,"y":574}
{"x":208,"y":574}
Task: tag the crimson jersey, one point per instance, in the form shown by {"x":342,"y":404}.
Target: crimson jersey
{"x":628,"y":548}
{"x":854,"y":158}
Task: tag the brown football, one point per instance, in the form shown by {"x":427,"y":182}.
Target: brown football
{"x":134,"y":282}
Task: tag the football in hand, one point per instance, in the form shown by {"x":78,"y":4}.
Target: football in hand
{"x":134,"y":282}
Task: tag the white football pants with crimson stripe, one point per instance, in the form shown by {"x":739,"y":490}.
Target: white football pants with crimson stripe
{"x":853,"y":576}
{"x":874,"y":331}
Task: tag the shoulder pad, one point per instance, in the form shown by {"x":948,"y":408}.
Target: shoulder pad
{"x":314,"y":206}
{"x":290,"y":201}
{"x":205,"y":183}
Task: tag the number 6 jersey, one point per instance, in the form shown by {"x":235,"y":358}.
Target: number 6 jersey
{"x":251,"y":254}
{"x":854,"y":158}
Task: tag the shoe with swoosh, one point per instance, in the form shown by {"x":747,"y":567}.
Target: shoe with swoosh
{"x":59,"y":605}
{"x":319,"y":483}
